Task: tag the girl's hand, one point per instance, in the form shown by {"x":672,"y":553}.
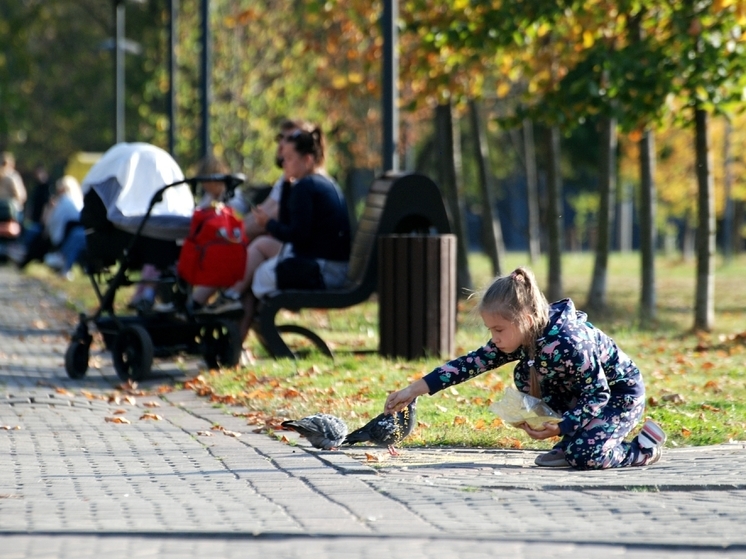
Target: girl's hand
{"x":400,"y":399}
{"x":550,"y":430}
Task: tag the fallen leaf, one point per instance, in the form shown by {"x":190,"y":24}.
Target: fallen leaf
{"x":149,"y":415}
{"x":441,"y":408}
{"x":231,"y":433}
{"x":204,"y":433}
{"x":673,"y":398}
{"x":64,"y":391}
{"x":460,"y":420}
{"x":151,"y":404}
{"x":10,"y":428}
{"x":708,"y":407}
{"x":117,"y":420}
{"x":119,"y":411}
{"x":372,"y":457}
{"x":685,"y":432}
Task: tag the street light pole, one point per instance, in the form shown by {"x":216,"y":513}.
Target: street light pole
{"x":172,"y":36}
{"x":118,"y":71}
{"x":390,"y":112}
{"x":206,"y":89}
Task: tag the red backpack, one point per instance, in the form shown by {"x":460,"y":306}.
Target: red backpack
{"x":214,"y":253}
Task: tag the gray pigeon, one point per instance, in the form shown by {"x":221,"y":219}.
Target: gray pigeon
{"x":322,"y":430}
{"x":386,"y":429}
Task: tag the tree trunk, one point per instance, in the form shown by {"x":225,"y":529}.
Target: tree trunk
{"x":704,"y":305}
{"x":444,"y":151}
{"x":554,"y":215}
{"x":728,"y":230}
{"x":648,"y":237}
{"x":495,"y":247}
{"x":606,"y":187}
{"x":532,"y":191}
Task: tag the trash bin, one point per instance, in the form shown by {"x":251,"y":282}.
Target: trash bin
{"x":417,"y":295}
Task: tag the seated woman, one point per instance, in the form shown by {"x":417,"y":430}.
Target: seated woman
{"x":61,"y":219}
{"x":313,"y":225}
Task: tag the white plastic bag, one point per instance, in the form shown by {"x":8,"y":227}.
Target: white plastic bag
{"x":516,"y":407}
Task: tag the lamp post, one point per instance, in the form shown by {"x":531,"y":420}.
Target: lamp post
{"x":119,"y":47}
{"x":390,"y":112}
{"x":206,"y":63}
{"x":173,"y":6}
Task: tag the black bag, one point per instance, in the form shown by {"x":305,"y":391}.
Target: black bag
{"x":299,"y":273}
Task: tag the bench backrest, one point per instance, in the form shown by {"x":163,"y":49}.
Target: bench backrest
{"x":396,"y":204}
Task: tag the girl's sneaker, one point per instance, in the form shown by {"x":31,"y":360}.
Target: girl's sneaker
{"x":651,"y":435}
{"x":555,"y":458}
{"x":651,"y":440}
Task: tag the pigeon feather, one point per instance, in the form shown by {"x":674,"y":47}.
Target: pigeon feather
{"x":322,"y":430}
{"x":386,"y":429}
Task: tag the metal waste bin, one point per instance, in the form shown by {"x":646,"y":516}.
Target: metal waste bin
{"x":417,"y":295}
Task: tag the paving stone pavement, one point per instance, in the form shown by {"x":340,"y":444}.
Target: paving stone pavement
{"x":74,"y":484}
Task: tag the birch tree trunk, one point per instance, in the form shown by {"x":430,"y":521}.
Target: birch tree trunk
{"x":704,"y":304}
{"x":606,"y":189}
{"x":648,"y":234}
{"x":444,"y":151}
{"x":532,"y":191}
{"x":555,"y":230}
{"x":495,"y":246}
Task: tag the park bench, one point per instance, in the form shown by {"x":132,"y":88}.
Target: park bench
{"x":396,"y":204}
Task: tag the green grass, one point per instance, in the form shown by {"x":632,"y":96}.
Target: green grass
{"x":695,"y":383}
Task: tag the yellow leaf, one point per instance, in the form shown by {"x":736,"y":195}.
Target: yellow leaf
{"x":123,"y":420}
{"x":685,"y":432}
{"x":460,"y":420}
{"x":588,"y":39}
{"x":503,"y":88}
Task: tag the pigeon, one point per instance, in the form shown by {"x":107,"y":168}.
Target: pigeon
{"x":386,"y":429}
{"x":322,"y":430}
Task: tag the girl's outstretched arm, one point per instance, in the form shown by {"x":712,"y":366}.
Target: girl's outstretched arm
{"x":400,"y":399}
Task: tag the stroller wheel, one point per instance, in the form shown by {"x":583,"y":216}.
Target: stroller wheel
{"x":132,"y":353}
{"x":222,"y":344}
{"x":76,"y":359}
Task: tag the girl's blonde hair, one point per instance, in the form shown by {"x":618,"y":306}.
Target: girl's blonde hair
{"x":518,"y":299}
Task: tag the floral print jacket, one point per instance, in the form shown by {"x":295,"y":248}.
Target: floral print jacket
{"x":580,"y":368}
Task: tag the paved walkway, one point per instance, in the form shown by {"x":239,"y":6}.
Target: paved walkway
{"x":74,"y":484}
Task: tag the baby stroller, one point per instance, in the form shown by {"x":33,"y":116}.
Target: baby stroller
{"x":138,"y":207}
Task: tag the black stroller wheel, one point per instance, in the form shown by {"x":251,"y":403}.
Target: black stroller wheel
{"x":132,"y":353}
{"x":222,"y":344}
{"x":76,"y":359}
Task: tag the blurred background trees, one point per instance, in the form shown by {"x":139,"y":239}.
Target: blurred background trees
{"x":537,"y":118}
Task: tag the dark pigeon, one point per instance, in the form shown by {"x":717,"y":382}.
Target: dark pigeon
{"x":322,"y":430}
{"x":386,"y":429}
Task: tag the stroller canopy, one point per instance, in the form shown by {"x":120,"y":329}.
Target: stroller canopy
{"x":127,"y":177}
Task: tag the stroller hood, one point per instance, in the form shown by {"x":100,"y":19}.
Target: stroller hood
{"x":127,"y":177}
